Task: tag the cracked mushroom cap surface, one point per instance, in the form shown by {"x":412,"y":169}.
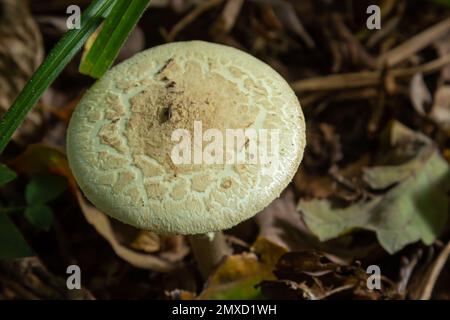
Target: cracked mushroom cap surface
{"x":120,"y":141}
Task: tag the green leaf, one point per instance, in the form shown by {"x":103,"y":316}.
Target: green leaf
{"x":12,"y":243}
{"x":6,"y":174}
{"x":44,"y":188}
{"x":40,"y":216}
{"x":414,"y":208}
{"x":238,"y":276}
{"x":114,"y":32}
{"x":52,"y":66}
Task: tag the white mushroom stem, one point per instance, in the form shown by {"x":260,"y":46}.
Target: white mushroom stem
{"x":208,"y":250}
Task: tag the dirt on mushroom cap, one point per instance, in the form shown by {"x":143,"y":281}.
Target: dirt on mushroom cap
{"x":120,"y":137}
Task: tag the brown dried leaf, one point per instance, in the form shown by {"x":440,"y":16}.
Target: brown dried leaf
{"x":225,"y":22}
{"x":441,"y":107}
{"x":420,"y":94}
{"x":311,"y":275}
{"x":102,"y":224}
{"x":238,"y":275}
{"x":146,"y":241}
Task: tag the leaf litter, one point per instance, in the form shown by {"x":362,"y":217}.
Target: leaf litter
{"x":371,"y":188}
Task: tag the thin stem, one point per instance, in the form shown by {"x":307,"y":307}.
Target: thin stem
{"x":208,"y":250}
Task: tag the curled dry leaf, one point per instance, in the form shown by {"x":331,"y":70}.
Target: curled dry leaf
{"x":146,"y":241}
{"x":420,"y":94}
{"x":440,"y":112}
{"x":103,"y":225}
{"x":238,"y":275}
{"x":225,"y":22}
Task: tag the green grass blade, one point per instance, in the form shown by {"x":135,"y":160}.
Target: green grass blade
{"x":52,"y":66}
{"x":116,"y":29}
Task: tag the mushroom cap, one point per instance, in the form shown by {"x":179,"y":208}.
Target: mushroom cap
{"x":120,"y":144}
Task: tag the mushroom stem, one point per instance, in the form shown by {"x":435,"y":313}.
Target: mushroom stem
{"x":208,"y":250}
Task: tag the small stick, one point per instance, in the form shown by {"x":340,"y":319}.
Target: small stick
{"x":415,"y":44}
{"x":433,"y":276}
{"x":365,"y":78}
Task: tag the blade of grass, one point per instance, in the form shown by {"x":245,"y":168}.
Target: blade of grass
{"x":52,"y":66}
{"x":115,"y":30}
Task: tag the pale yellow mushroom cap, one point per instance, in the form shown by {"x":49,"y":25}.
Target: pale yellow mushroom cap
{"x":120,"y":144}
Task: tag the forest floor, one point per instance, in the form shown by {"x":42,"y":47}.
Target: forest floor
{"x":371,"y":192}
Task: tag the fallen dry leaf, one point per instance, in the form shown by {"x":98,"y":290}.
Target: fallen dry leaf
{"x":440,"y":111}
{"x":420,"y":94}
{"x":311,"y":275}
{"x":146,"y":241}
{"x":102,"y":224}
{"x":225,"y":22}
{"x":238,"y":275}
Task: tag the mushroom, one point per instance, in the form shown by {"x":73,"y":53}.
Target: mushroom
{"x":187,"y":138}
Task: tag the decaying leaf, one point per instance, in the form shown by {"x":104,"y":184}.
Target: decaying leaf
{"x":282,"y":224}
{"x":310,"y":275}
{"x":102,"y":224}
{"x":440,"y":112}
{"x":225,"y":22}
{"x":420,"y":94}
{"x":411,"y":203}
{"x":143,"y":249}
{"x":238,"y":275}
{"x":146,"y":241}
